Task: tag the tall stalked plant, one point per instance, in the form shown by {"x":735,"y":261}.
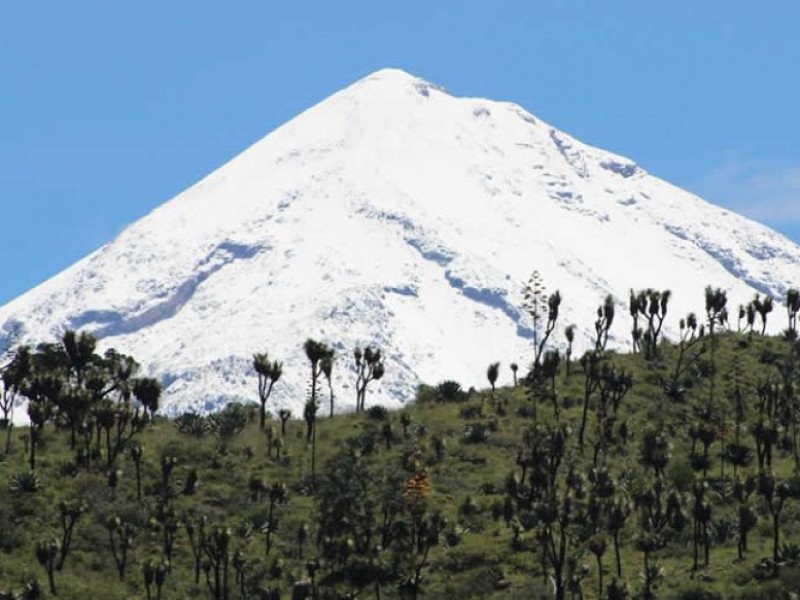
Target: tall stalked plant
{"x":319,"y":356}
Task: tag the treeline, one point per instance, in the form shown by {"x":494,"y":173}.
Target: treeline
{"x":590,"y":477}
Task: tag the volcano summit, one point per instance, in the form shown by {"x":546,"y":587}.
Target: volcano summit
{"x":397,"y":215}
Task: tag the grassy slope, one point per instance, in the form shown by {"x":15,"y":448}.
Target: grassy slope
{"x":468,"y":569}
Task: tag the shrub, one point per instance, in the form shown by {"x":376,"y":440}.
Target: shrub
{"x":426,"y":394}
{"x":471,"y":411}
{"x":13,"y":535}
{"x":696,"y":591}
{"x":378,"y":413}
{"x":440,"y":447}
{"x":230,"y":421}
{"x":476,"y":433}
{"x":191,"y":423}
{"x":450,"y":391}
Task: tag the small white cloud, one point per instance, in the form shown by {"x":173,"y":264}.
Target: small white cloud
{"x":762,"y":191}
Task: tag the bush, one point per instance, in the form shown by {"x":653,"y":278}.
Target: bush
{"x":426,"y":394}
{"x":440,"y":447}
{"x":12,"y":534}
{"x":476,"y":433}
{"x":191,"y":423}
{"x":471,"y":411}
{"x":230,"y":421}
{"x":378,"y":413}
{"x":696,"y":591}
{"x":450,"y":391}
{"x":681,"y":474}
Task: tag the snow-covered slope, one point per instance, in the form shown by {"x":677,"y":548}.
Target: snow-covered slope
{"x":396,"y":215}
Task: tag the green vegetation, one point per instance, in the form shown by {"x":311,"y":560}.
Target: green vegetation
{"x":670,"y":472}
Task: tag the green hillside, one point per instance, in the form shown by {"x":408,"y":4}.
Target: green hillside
{"x":689,"y":459}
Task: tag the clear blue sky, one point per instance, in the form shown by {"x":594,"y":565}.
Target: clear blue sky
{"x":108,"y":109}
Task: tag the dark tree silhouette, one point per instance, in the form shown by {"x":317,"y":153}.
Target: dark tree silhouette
{"x":492,"y":373}
{"x":762,"y":307}
{"x":284,"y":414}
{"x":590,"y":363}
{"x":775,"y":494}
{"x":326,"y":365}
{"x":278,"y":494}
{"x":318,"y":353}
{"x":716,"y":314}
{"x":716,"y":308}
{"x":605,"y":317}
{"x":46,"y":554}
{"x":598,"y":546}
{"x":652,"y":305}
{"x":40,"y":391}
{"x":137,"y":453}
{"x":120,"y":537}
{"x":148,"y":392}
{"x":636,"y":331}
{"x":691,"y":347}
{"x":538,"y":305}
{"x":569,"y":333}
{"x":701,"y":519}
{"x":216,"y":548}
{"x":369,"y":367}
{"x":13,"y":377}
{"x":195,"y":527}
{"x":792,"y":308}
{"x":655,"y":452}
{"x":660,"y":511}
{"x":618,"y":514}
{"x":155,"y":572}
{"x":547,"y":492}
{"x":69,"y":513}
{"x":269,"y":372}
{"x":747,"y":517}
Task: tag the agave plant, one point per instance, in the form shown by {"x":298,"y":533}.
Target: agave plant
{"x":476,"y":433}
{"x":789,"y":553}
{"x":27,"y":482}
{"x":723,"y":530}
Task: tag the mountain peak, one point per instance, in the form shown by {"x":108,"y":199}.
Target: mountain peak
{"x":395,"y":76}
{"x":392,"y":82}
{"x":391,"y":74}
{"x":395,"y":215}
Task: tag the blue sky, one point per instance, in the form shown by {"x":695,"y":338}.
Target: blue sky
{"x":108,"y":109}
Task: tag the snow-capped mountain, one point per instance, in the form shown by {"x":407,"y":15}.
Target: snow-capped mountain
{"x":397,"y":215}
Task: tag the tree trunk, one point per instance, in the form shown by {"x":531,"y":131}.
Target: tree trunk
{"x":314,"y":452}
{"x":600,"y":576}
{"x":695,"y":535}
{"x":775,"y":540}
{"x":34,"y":436}
{"x":51,"y":581}
{"x":9,"y":427}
